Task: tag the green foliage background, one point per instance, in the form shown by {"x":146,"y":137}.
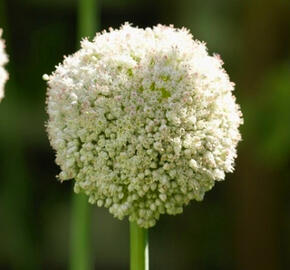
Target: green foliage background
{"x":244,"y":223}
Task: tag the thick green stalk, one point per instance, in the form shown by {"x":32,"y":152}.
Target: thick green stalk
{"x":80,"y":256}
{"x":139,"y":248}
{"x":80,"y":234}
{"x":88,"y":18}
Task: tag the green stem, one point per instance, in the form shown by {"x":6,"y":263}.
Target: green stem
{"x":139,"y":248}
{"x":80,"y":256}
{"x":89,"y":18}
{"x":80,"y":234}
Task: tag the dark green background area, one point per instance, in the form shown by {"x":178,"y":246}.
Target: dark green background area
{"x":242,"y":224}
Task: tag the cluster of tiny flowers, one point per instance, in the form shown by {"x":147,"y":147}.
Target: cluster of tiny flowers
{"x":3,"y":60}
{"x":144,"y":120}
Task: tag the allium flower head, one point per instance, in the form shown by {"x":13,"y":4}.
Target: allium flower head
{"x":144,"y":120}
{"x":3,"y":73}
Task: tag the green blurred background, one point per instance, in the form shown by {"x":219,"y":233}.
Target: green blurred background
{"x":243,"y":223}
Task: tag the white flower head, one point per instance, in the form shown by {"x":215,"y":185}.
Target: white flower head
{"x":3,"y":61}
{"x":144,"y":120}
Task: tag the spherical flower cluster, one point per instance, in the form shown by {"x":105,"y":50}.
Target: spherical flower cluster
{"x":144,"y":120}
{"x":3,"y":60}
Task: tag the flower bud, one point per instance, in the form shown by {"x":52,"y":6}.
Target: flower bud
{"x":3,"y":61}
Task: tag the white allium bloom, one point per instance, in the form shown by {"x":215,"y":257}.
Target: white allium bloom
{"x":3,"y":61}
{"x":144,"y":120}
